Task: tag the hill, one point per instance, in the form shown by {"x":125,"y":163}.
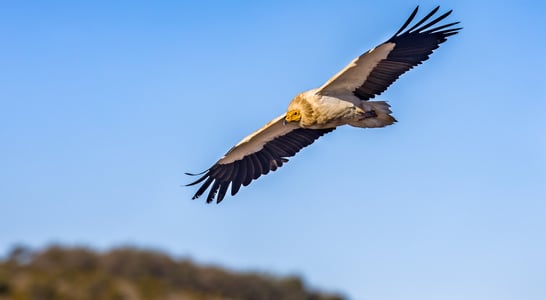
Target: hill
{"x":133,"y":274}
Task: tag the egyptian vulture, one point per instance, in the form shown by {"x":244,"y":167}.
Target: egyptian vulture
{"x":342,"y":100}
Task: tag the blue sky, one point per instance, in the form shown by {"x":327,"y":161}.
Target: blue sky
{"x":105,"y":105}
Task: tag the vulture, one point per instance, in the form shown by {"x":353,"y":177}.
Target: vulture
{"x":345,"y":99}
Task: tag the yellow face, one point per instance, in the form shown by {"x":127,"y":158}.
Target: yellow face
{"x":293,"y":116}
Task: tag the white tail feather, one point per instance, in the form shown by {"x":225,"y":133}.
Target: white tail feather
{"x":382,"y":110}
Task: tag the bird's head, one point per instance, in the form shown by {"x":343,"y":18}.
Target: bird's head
{"x":299,"y":111}
{"x":293,"y":115}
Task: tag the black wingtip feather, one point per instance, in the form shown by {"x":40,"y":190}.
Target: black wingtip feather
{"x":222,"y":192}
{"x":431,"y":23}
{"x":213,"y":191}
{"x":408,"y":21}
{"x":196,"y":174}
{"x":423,"y":20}
{"x":203,"y":188}
{"x":450,"y":33}
{"x":437,"y":29}
{"x":198,"y":180}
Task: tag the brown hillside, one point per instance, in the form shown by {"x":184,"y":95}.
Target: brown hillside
{"x":133,"y":274}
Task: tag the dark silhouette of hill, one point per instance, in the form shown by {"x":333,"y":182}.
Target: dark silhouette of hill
{"x":133,"y":274}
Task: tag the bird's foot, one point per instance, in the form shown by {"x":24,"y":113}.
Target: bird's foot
{"x":367,"y":114}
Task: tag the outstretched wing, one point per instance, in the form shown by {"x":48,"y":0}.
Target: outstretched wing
{"x":374,"y":71}
{"x":263,"y":151}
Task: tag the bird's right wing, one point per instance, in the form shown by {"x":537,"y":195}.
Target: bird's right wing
{"x":264,"y":150}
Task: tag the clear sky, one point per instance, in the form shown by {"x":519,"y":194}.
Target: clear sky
{"x":105,"y":105}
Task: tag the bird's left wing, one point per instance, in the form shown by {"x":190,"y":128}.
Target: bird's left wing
{"x":374,"y":71}
{"x":264,"y":150}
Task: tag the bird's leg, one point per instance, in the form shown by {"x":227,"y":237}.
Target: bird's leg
{"x":362,"y":114}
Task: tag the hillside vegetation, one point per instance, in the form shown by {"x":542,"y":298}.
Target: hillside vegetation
{"x":133,"y":274}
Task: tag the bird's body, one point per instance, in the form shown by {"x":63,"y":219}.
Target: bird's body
{"x":342,"y":100}
{"x":328,"y":111}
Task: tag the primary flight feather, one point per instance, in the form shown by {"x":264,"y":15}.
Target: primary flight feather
{"x":342,"y":100}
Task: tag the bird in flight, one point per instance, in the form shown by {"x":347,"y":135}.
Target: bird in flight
{"x":342,"y":100}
